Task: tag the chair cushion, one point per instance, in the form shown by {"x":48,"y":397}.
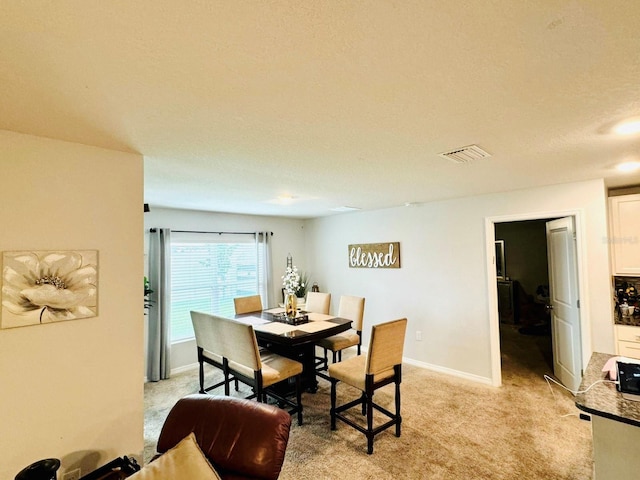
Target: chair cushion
{"x":185,"y":460}
{"x":353,"y":371}
{"x":275,"y":368}
{"x":341,"y":341}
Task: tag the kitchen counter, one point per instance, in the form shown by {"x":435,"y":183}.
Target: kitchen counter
{"x":603,"y":399}
{"x":615,"y":423}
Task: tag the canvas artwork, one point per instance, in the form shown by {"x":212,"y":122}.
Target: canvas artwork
{"x":48,"y":286}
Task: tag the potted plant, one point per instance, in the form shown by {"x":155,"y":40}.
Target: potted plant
{"x":147,"y":292}
{"x":303,"y":286}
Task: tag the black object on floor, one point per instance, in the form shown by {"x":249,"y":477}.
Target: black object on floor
{"x":535,"y":330}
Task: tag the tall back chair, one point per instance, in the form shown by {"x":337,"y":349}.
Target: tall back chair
{"x":351,"y":308}
{"x":244,"y":361}
{"x":210,"y":347}
{"x":381,"y":366}
{"x":252,"y":303}
{"x":318,"y":302}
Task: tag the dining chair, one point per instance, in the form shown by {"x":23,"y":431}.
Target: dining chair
{"x":318,"y":302}
{"x":261,"y":371}
{"x":209,"y":343}
{"x":382,"y":365}
{"x":252,"y":303}
{"x":351,"y":308}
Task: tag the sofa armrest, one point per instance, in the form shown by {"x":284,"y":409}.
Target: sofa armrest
{"x":242,"y":438}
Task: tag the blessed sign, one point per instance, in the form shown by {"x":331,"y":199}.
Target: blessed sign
{"x":375,"y":255}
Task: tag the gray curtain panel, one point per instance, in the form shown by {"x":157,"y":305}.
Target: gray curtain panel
{"x":263,"y":246}
{"x":159,"y":346}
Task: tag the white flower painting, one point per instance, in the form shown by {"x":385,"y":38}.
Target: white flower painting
{"x":48,"y":286}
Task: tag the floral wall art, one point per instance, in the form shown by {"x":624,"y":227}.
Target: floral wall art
{"x":48,"y":286}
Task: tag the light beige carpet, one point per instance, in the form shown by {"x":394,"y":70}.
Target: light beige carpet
{"x":452,"y":428}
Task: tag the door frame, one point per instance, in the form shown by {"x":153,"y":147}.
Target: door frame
{"x":581,"y":255}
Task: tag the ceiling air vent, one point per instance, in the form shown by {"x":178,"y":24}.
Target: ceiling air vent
{"x":465,"y":155}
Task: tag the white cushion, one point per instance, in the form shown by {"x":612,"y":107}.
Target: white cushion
{"x":184,"y":461}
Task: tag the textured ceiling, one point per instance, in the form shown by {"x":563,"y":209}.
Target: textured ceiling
{"x":234,"y":104}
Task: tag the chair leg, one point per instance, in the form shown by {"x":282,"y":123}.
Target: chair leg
{"x":226,"y":385}
{"x":333,"y":403}
{"x":299,"y":398}
{"x":398,"y":416}
{"x":363,"y":400}
{"x":201,"y":377}
{"x":370,"y":434}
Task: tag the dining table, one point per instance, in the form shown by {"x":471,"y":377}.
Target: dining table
{"x":295,"y":338}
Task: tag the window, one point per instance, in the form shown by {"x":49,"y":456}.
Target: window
{"x":207,"y":273}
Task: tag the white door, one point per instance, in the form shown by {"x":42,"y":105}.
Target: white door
{"x":565,"y":309}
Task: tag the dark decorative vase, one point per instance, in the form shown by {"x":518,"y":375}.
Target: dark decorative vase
{"x":41,"y":470}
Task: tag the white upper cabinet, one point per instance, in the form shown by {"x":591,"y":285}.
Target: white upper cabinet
{"x":625,"y":234}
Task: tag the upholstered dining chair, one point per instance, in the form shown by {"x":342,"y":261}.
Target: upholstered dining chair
{"x":351,"y":308}
{"x":318,"y":302}
{"x":209,"y":343}
{"x":252,"y":303}
{"x":382,"y":365}
{"x":261,"y":371}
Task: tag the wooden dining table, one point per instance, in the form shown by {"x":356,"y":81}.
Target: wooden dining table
{"x":295,"y":341}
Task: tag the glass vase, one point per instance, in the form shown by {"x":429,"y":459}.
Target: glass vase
{"x":290,"y":304}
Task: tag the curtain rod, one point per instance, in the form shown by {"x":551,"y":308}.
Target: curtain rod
{"x":152,"y":230}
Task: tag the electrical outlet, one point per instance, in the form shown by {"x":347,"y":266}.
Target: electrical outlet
{"x":418,"y":335}
{"x":72,"y":475}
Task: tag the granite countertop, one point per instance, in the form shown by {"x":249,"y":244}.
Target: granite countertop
{"x":631,"y":320}
{"x":603,"y":399}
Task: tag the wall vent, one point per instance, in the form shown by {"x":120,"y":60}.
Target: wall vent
{"x":465,"y":155}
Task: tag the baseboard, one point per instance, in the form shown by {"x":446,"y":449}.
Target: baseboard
{"x":449,"y":371}
{"x":177,"y":370}
{"x":445,"y":370}
{"x":184,"y":368}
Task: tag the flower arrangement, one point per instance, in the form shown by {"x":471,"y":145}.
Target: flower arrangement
{"x":294,"y":282}
{"x":291,"y":281}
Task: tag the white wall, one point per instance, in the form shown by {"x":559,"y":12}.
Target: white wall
{"x":73,"y":390}
{"x":288,"y":237}
{"x":442,"y":287}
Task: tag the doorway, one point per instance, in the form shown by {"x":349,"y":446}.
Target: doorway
{"x":537,"y":324}
{"x":523,"y":295}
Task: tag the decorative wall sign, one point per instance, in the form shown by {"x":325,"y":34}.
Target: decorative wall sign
{"x":375,"y":255}
{"x":48,"y":286}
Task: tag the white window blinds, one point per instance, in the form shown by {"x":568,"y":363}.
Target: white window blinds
{"x":207,"y":272}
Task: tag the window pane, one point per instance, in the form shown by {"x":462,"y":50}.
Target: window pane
{"x":207,"y":277}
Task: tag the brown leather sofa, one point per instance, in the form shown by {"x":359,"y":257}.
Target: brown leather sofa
{"x":243,"y":439}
